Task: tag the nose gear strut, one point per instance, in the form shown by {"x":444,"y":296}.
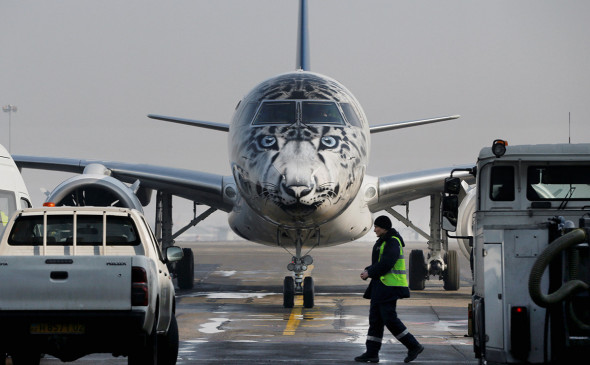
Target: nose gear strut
{"x":297,"y":284}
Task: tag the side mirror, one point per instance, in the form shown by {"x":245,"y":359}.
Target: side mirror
{"x":452,"y":185}
{"x":174,"y":254}
{"x":450,"y":212}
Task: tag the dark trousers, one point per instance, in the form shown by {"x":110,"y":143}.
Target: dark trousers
{"x":383,"y":315}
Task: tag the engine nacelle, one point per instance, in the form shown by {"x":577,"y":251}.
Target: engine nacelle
{"x":95,"y":187}
{"x":465,"y":220}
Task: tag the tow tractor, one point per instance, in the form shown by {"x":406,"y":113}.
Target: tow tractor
{"x":530,"y":255}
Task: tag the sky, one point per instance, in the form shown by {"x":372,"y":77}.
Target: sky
{"x":84,"y":75}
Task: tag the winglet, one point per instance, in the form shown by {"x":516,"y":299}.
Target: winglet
{"x":303,"y":38}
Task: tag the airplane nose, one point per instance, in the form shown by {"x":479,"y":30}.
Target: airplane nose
{"x":297,"y":191}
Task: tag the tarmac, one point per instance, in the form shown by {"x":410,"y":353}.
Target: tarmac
{"x":234,"y":313}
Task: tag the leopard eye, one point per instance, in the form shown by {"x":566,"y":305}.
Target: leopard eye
{"x":267,"y":141}
{"x":329,"y":142}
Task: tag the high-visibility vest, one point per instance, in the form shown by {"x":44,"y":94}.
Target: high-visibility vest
{"x":3,"y":218}
{"x":397,"y":275}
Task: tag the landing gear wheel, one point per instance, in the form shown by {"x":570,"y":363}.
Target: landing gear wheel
{"x":308,"y":292}
{"x":451,"y":274}
{"x":417,"y":270}
{"x":185,"y":270}
{"x":289,"y":292}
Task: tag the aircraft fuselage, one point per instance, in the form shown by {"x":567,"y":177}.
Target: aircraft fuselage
{"x":299,"y":146}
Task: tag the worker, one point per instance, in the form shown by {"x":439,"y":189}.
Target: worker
{"x":388,"y":284}
{"x":3,"y":218}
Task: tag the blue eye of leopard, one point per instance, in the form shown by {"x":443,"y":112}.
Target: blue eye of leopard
{"x":267,"y":141}
{"x":329,"y":141}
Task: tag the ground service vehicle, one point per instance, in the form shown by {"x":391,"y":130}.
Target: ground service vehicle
{"x":80,"y":280}
{"x":530,"y":255}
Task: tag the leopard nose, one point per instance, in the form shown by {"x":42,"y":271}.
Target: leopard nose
{"x":297,"y":191}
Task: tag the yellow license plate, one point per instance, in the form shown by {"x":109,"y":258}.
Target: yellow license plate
{"x":57,"y":328}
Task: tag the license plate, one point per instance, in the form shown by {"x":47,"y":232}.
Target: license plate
{"x":57,"y":328}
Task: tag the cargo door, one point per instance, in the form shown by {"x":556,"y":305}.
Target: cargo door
{"x":65,"y":283}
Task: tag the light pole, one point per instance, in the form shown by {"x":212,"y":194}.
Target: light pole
{"x":9,"y":109}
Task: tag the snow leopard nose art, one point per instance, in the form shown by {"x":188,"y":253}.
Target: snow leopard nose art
{"x":297,"y":191}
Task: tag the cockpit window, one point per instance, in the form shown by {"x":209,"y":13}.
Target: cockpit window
{"x":321,"y":112}
{"x":351,"y":115}
{"x":276,"y":112}
{"x":307,"y":112}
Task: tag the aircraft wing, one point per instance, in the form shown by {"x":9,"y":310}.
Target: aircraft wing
{"x":400,"y":188}
{"x":197,"y":186}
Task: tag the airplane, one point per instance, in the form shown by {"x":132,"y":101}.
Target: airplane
{"x":299,"y":147}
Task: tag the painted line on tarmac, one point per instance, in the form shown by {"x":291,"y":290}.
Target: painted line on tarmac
{"x":295,"y":317}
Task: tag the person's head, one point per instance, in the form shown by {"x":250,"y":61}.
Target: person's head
{"x":382,"y":225}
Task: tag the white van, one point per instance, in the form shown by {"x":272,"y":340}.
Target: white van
{"x":13,"y":192}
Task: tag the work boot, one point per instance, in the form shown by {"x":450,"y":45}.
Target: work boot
{"x":372,"y":353}
{"x":413,"y":353}
{"x":367,"y":357}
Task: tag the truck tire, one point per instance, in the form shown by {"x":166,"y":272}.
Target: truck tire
{"x":168,"y":344}
{"x":451,"y":274}
{"x":185,"y":270}
{"x":417,"y":269}
{"x":148,"y":353}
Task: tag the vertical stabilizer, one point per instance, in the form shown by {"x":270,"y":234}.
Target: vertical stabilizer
{"x":303,"y":38}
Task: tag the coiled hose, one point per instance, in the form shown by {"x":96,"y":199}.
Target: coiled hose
{"x":562,"y":243}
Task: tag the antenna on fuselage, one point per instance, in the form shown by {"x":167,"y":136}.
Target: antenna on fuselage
{"x":303,"y":38}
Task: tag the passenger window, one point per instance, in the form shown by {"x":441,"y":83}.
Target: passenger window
{"x":122,"y":231}
{"x":502,"y":183}
{"x":276,"y":112}
{"x":321,"y":112}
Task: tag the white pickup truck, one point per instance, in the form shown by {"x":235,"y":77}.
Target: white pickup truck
{"x":81,"y":280}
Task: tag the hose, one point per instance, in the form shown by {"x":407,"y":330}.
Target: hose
{"x":562,"y":243}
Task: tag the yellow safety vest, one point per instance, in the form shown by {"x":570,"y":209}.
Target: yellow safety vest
{"x":3,"y":218}
{"x":397,"y":275}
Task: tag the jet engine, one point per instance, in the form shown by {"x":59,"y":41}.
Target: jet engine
{"x":465,"y":219}
{"x":95,"y":187}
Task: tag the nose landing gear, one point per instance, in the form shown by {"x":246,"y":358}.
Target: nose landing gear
{"x":298,"y":284}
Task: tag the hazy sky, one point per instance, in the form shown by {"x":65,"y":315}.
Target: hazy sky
{"x":84,"y":75}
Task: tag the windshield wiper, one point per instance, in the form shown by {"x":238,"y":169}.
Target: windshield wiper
{"x":567,"y":198}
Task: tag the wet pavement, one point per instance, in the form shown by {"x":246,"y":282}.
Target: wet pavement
{"x":235,"y":314}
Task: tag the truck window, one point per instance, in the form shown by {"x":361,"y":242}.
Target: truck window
{"x":28,"y":231}
{"x":502,"y":183}
{"x":7,"y":208}
{"x":558,"y":182}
